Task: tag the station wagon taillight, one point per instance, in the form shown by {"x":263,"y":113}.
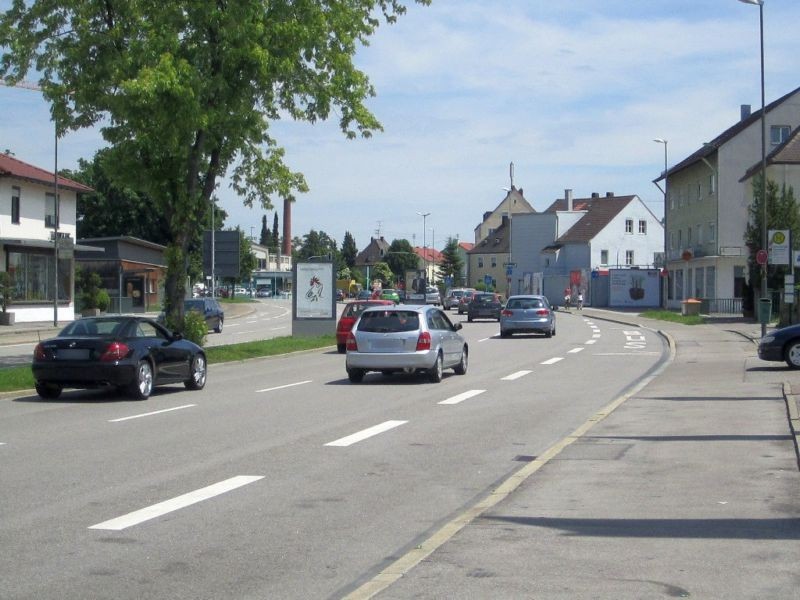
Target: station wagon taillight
{"x":351,"y":344}
{"x":542,"y":312}
{"x":114,"y":351}
{"x":507,"y":313}
{"x":424,"y":341}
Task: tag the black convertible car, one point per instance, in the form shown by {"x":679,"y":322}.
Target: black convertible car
{"x":132,"y":354}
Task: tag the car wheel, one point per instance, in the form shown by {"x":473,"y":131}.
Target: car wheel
{"x":505,"y":334}
{"x":554,"y":329}
{"x":355,"y":375}
{"x":142,"y":386}
{"x":387,"y":372}
{"x":548,"y":333}
{"x":48,"y":391}
{"x":792,"y":354}
{"x":435,"y":372}
{"x":218,"y":328}
{"x":469,"y":319}
{"x":342,"y":348}
{"x":461,"y":367}
{"x":197,"y":374}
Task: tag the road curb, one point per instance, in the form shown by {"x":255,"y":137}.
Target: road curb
{"x":793,"y":410}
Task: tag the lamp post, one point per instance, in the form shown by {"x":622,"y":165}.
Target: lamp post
{"x":665,"y":287}
{"x":764,"y":244}
{"x":424,"y":250}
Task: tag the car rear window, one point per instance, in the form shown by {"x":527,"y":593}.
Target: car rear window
{"x":484,"y":298}
{"x":386,"y":321}
{"x":198,"y":305}
{"x":524,"y":303}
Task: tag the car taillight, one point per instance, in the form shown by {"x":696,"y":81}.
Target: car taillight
{"x":114,"y":351}
{"x":424,"y":341}
{"x":39,"y":353}
{"x":542,"y":312}
{"x":506,"y":313}
{"x":351,"y":344}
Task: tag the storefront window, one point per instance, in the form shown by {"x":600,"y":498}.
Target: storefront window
{"x":33,"y":276}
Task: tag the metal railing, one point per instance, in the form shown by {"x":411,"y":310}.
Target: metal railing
{"x":723,"y":306}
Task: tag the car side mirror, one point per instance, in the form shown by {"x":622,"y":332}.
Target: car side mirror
{"x":457,"y":326}
{"x":176,"y":336}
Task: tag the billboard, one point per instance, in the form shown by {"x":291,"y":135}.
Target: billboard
{"x":226,"y":253}
{"x":634,"y":287}
{"x":315,"y":291}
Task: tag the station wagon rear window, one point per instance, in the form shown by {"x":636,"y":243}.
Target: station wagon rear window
{"x":525,"y":303}
{"x":385,"y":321}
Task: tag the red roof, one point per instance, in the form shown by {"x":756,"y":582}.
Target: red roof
{"x":467,"y":246}
{"x":11,"y":167}
{"x":431,"y":255}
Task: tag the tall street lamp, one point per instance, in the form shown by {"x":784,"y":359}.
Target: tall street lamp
{"x":665,"y":287}
{"x":424,"y":249}
{"x":760,"y":4}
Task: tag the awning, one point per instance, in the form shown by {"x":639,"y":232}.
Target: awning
{"x":33,"y":243}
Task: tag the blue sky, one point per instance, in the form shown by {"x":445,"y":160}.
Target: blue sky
{"x":573,"y":92}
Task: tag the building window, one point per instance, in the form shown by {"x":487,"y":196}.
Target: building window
{"x":779,"y":134}
{"x":494,"y":261}
{"x":33,"y":275}
{"x":642,"y":226}
{"x":50,"y":211}
{"x":711,"y":232}
{"x":603,"y":257}
{"x":699,"y":233}
{"x":15,"y":205}
{"x":480,"y":262}
{"x":680,"y":238}
{"x":712,"y":184}
{"x":671,"y":240}
{"x":671,"y":198}
{"x":628,"y":225}
{"x":699,"y":191}
{"x":629,"y":257}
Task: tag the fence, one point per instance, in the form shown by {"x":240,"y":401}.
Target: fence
{"x":724,"y":306}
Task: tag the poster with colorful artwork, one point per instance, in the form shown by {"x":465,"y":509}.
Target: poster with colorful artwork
{"x":634,"y":287}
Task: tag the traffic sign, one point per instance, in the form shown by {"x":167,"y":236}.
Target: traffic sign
{"x":761,"y":257}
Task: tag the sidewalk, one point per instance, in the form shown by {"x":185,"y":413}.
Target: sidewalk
{"x":688,"y":488}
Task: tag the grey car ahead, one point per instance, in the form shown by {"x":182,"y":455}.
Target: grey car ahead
{"x":527,"y":314}
{"x":407,"y":339}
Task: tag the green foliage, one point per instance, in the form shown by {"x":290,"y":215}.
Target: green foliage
{"x":87,"y":284}
{"x":103,"y":300}
{"x":247,"y":260}
{"x":265,"y":239}
{"x":186,"y":92}
{"x":349,"y":250}
{"x":17,"y":378}
{"x":673,"y":317}
{"x":272,"y":347}
{"x":452,"y":265}
{"x":6,"y":289}
{"x":381,"y":271}
{"x":194,"y":327}
{"x":401,"y":258}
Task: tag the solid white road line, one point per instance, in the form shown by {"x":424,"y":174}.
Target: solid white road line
{"x":462,"y":397}
{"x":590,"y":342}
{"x":514,"y":376}
{"x":280,"y":387}
{"x":148,"y":414}
{"x":575,"y":350}
{"x":366,"y":433}
{"x":552,"y":361}
{"x":162,"y":508}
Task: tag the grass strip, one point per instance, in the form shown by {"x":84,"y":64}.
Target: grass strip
{"x":673,"y":317}
{"x":16,"y":378}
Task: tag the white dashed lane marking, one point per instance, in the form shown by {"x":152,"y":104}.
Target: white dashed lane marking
{"x":281,"y":387}
{"x":366,"y":433}
{"x":162,"y":508}
{"x":148,"y":414}
{"x":516,"y":375}
{"x":575,"y":350}
{"x":462,"y":397}
{"x":552,"y":361}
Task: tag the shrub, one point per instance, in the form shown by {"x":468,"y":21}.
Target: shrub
{"x":194,"y":328}
{"x":6,"y":289}
{"x":103,"y":300}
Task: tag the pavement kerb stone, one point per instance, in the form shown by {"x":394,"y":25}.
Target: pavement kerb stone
{"x":793,"y":410}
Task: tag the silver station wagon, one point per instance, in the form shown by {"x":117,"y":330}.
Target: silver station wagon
{"x":527,"y":314}
{"x":405,"y":339}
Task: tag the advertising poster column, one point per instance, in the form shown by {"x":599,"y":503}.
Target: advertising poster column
{"x":314,"y":299}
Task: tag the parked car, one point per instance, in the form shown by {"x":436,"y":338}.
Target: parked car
{"x":133,"y":354}
{"x":484,"y":305}
{"x":432,"y":295}
{"x":263,"y":293}
{"x":407,"y":338}
{"x":364,"y":295}
{"x":350,"y":315}
{"x":464,"y":301}
{"x":390,"y":294}
{"x":210,"y":309}
{"x":782,"y":345}
{"x":401,"y":295}
{"x":453,"y":296}
{"x":527,"y":314}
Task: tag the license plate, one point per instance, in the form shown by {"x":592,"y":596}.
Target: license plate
{"x":72,"y":354}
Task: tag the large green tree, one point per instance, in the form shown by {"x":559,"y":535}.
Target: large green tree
{"x":349,"y":250}
{"x":185,"y":91}
{"x":452,"y":265}
{"x":401,"y":258}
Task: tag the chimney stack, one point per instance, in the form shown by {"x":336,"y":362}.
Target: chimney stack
{"x":568,"y":197}
{"x":609,"y":194}
{"x":745,"y":111}
{"x":595,"y":194}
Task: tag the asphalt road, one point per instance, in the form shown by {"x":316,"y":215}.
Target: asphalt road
{"x":281,"y":479}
